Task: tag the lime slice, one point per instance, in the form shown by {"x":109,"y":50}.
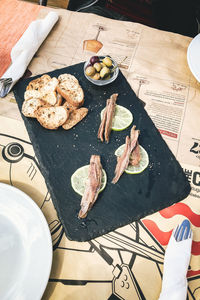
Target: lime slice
{"x":79,"y":179}
{"x":143,"y":164}
{"x":122,"y":118}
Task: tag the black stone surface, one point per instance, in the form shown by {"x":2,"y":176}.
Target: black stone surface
{"x":61,"y":152}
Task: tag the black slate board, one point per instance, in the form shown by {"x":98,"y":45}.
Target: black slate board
{"x":61,"y":152}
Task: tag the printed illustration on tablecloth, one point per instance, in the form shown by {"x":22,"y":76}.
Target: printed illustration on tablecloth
{"x":129,"y":252}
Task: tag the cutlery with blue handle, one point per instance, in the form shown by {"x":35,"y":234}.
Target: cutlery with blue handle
{"x":183,"y":231}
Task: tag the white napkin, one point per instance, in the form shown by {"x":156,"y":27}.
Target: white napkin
{"x":28,"y":44}
{"x":176,"y":262}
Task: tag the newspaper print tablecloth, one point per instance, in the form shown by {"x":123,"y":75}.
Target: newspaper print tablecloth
{"x":127,"y":263}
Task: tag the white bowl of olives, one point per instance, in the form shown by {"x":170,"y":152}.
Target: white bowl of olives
{"x":101,"y":70}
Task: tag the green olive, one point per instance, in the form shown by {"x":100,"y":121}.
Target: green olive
{"x":107,"y":61}
{"x":102,"y":64}
{"x":96,"y":76}
{"x":97,"y":66}
{"x":90,"y":71}
{"x":104,"y":72}
{"x":107,"y":77}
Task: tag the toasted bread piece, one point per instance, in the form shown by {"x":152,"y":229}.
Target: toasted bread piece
{"x":75,"y":97}
{"x":38,"y":83}
{"x":30,"y":107}
{"x":75,"y":117}
{"x":32,"y":94}
{"x":68,"y":81}
{"x":70,"y":89}
{"x":49,"y":86}
{"x":67,"y":77}
{"x":52,"y":117}
{"x":42,"y":88}
{"x":69,"y":106}
{"x":50,"y":98}
{"x":69,"y":85}
{"x":59,"y":100}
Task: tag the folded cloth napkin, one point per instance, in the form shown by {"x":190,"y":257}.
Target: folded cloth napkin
{"x":26,"y":47}
{"x":176,"y":262}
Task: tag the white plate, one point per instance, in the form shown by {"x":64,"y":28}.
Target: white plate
{"x":193,"y":56}
{"x":25,"y":246}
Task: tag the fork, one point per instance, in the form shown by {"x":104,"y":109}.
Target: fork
{"x":5,"y":84}
{"x":183,"y":231}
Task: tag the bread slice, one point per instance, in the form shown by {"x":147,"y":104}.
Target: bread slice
{"x":49,"y":86}
{"x":67,"y":77}
{"x":70,"y":89}
{"x":43,"y":88}
{"x":38,"y":83}
{"x":75,"y":97}
{"x":52,"y":117}
{"x":75,"y":117}
{"x":69,"y":85}
{"x":59,"y":100}
{"x":30,"y":107}
{"x":69,"y":106}
{"x":32,"y":94}
{"x":50,"y":98}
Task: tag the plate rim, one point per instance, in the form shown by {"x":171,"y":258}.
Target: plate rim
{"x":49,"y":256}
{"x":190,"y":64}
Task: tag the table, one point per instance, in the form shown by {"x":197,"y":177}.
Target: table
{"x":127,"y":263}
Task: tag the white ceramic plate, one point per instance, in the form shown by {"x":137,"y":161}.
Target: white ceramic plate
{"x":25,"y":246}
{"x":193,"y":56}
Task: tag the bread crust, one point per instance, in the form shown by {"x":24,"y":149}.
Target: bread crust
{"x":38,"y":83}
{"x":59,"y":100}
{"x":75,"y":117}
{"x":67,"y":77}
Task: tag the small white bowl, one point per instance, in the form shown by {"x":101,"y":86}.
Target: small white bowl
{"x":102,"y":82}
